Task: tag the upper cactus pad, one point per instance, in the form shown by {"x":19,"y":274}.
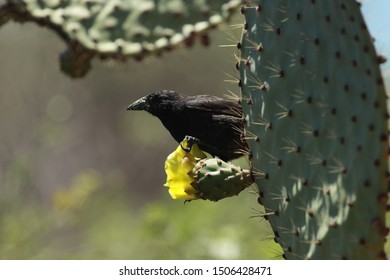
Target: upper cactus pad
{"x":121,"y":28}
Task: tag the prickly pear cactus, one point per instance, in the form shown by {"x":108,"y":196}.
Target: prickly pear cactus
{"x":316,"y":121}
{"x":120,"y":29}
{"x":191,"y":175}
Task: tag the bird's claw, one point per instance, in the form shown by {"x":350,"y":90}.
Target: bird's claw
{"x":188,"y":141}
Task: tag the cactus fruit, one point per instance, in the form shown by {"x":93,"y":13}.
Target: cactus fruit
{"x":191,"y":175}
{"x":120,"y":29}
{"x":317,"y":125}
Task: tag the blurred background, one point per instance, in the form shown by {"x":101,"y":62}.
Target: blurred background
{"x":82,"y":178}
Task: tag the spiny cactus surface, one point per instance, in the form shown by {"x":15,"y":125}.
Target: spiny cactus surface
{"x":120,"y":28}
{"x":316,"y":120}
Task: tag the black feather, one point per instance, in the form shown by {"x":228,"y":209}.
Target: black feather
{"x":216,"y":122}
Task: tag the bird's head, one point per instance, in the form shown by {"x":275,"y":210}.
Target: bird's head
{"x":156,"y":102}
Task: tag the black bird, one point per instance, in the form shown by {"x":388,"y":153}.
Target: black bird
{"x":217,"y":123}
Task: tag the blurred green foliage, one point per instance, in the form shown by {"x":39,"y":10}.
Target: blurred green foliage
{"x":93,"y":218}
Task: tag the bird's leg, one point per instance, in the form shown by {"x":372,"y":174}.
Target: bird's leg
{"x":187,"y":143}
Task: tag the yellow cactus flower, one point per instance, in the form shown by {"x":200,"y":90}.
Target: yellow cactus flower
{"x":179,"y":166}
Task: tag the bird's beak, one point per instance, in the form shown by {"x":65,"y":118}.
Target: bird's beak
{"x":138,"y":105}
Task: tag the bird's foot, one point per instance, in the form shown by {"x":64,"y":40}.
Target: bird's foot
{"x":188,"y":142}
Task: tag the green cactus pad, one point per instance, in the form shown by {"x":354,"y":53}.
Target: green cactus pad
{"x":120,"y":29}
{"x":216,"y":179}
{"x":316,"y":122}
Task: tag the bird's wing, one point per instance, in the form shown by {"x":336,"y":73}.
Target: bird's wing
{"x":214,"y":104}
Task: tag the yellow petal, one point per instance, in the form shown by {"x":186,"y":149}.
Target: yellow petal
{"x":181,"y":193}
{"x":178,"y":167}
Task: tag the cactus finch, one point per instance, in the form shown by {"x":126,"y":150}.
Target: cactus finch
{"x":216,"y":122}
